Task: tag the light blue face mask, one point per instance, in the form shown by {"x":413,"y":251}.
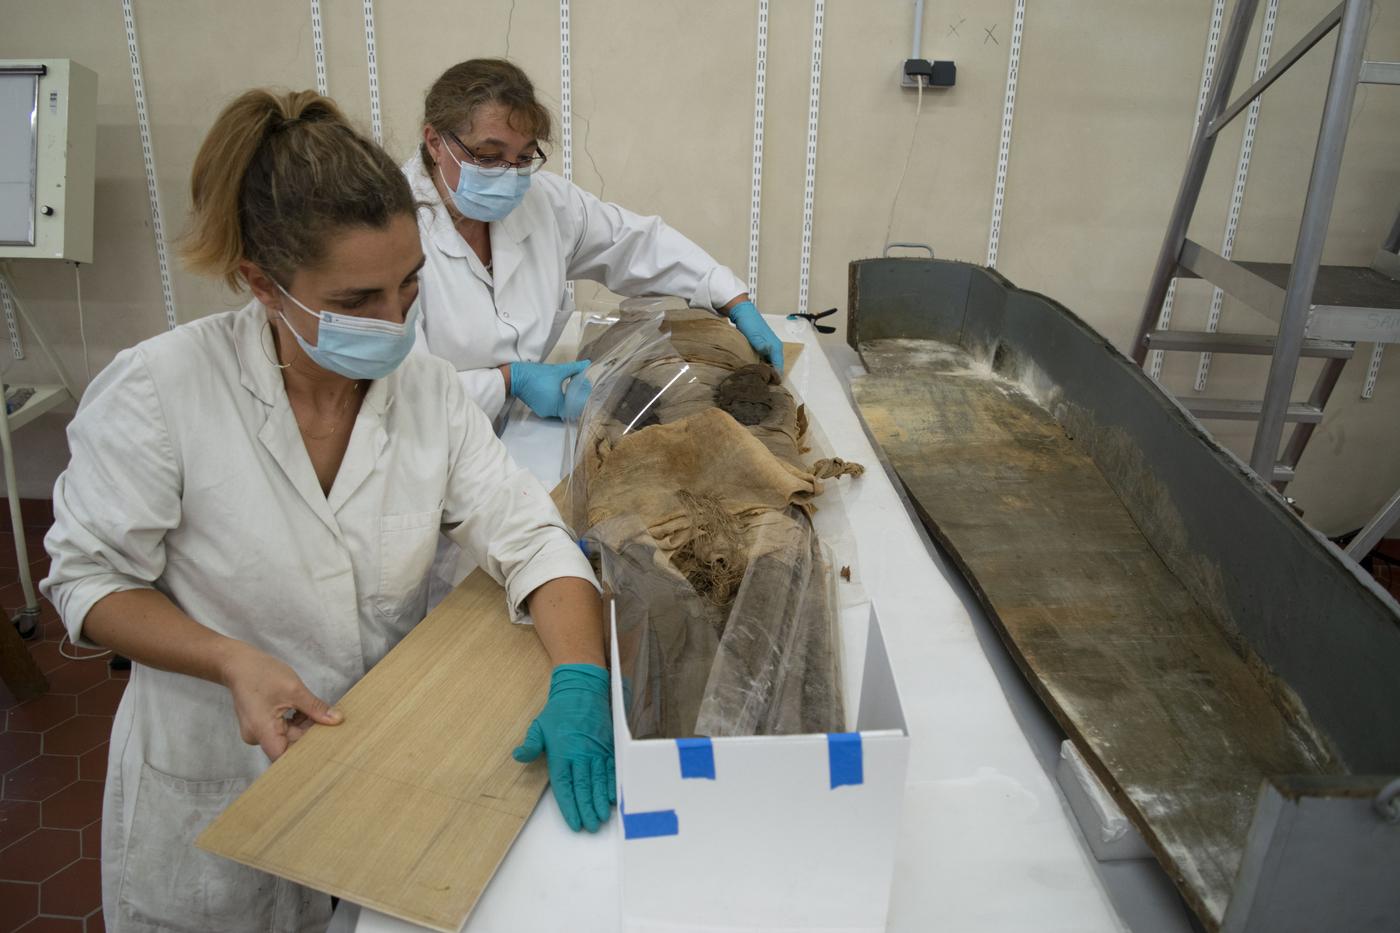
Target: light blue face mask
{"x":486,"y":197}
{"x":356,"y":347}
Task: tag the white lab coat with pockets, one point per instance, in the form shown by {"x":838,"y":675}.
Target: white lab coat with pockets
{"x":189,"y":474}
{"x":478,"y":320}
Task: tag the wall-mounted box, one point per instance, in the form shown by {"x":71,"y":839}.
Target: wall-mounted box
{"x":48,"y":156}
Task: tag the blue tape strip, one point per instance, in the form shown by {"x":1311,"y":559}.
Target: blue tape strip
{"x":649,"y":824}
{"x":697,"y":758}
{"x":844,"y":755}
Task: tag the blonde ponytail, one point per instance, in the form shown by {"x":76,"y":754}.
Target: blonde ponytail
{"x":275,"y":175}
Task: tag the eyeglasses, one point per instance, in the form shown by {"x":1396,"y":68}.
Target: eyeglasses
{"x":493,"y":166}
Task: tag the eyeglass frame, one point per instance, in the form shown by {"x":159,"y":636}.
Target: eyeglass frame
{"x":531,"y":165}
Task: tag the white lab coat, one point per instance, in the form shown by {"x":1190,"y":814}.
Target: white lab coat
{"x":189,"y":475}
{"x":477,"y":320}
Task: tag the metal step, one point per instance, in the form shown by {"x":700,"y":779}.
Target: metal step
{"x":1244,"y":409}
{"x":1284,"y":474}
{"x":1257,"y":344}
{"x":1356,"y":303}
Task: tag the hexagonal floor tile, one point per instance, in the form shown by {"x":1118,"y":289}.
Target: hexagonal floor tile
{"x":41,"y":713}
{"x":39,"y":855}
{"x":77,"y":676}
{"x":77,"y":735}
{"x":74,"y":807}
{"x":19,"y":901}
{"x":18,"y":818}
{"x":92,"y":766}
{"x":92,"y":839}
{"x":16,"y":748}
{"x":74,"y":892}
{"x":43,"y":777}
{"x":52,"y":925}
{"x":103,"y":699}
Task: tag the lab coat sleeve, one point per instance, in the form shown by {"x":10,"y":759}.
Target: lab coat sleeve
{"x":635,"y":255}
{"x":501,"y":516}
{"x":486,"y":387}
{"x":118,"y":497}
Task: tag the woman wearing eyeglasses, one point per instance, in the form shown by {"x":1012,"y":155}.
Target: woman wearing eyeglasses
{"x":503,"y":239}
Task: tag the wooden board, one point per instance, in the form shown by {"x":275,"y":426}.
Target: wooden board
{"x":410,"y":804}
{"x":1179,"y":726}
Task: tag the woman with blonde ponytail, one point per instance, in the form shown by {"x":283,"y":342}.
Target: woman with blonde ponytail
{"x":253,"y":503}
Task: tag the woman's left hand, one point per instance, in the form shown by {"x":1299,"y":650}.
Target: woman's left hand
{"x":574,"y":730}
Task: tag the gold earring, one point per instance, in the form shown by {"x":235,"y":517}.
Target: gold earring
{"x":270,"y":338}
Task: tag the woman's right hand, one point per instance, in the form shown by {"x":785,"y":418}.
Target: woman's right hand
{"x":274,"y":707}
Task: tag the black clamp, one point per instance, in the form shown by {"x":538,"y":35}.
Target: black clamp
{"x":814,"y":318}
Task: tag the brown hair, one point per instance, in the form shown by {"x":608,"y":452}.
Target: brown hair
{"x":454,"y":97}
{"x":276,"y":175}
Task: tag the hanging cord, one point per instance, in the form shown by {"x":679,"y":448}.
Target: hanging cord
{"x":82,"y":326}
{"x":913,"y":138}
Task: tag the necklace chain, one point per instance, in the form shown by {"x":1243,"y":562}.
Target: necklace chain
{"x":345,"y":403}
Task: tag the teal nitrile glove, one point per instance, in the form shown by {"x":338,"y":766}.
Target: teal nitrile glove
{"x":541,"y":385}
{"x":760,"y":336}
{"x":575,"y":732}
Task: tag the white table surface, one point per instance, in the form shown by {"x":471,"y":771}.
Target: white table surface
{"x":986,"y":842}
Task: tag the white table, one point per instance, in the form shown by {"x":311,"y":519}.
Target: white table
{"x":986,"y":844}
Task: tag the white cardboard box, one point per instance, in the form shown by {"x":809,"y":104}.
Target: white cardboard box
{"x":771,"y":833}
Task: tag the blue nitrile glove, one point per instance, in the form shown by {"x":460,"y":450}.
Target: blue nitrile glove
{"x":760,"y":336}
{"x":541,"y":385}
{"x":576,"y":396}
{"x":575,"y":732}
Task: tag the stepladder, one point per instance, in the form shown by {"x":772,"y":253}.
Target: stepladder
{"x":1322,"y":311}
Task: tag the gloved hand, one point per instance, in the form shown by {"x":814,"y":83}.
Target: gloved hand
{"x":760,"y":336}
{"x":541,"y":385}
{"x":576,"y":396}
{"x":575,"y":732}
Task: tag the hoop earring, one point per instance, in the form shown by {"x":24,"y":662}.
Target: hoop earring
{"x":268,"y":325}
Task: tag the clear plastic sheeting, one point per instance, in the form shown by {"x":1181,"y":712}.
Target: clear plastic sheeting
{"x":690,"y":480}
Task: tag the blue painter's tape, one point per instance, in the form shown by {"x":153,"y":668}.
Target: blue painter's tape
{"x":844,"y":755}
{"x":649,"y":824}
{"x":697,"y":758}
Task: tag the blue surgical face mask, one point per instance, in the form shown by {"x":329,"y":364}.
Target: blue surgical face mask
{"x":486,"y":197}
{"x":356,"y":347}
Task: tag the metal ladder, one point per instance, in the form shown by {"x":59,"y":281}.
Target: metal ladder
{"x":1323,"y":311}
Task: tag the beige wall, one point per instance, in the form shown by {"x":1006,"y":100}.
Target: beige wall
{"x":663,"y":109}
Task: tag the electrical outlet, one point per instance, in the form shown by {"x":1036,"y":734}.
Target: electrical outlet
{"x":933,"y":74}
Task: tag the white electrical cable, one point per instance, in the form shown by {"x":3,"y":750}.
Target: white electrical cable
{"x":11,"y":319}
{"x":1008,"y":113}
{"x":318,"y":44}
{"x":79,"y":657}
{"x":82,"y":326}
{"x":913,"y":137}
{"x":143,"y":120}
{"x":756,"y":197}
{"x":809,"y":188}
{"x":1227,"y":245}
{"x":1217,"y":18}
{"x":566,"y":108}
{"x":372,"y":57}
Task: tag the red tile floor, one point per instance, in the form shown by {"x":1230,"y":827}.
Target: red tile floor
{"x":53,"y":759}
